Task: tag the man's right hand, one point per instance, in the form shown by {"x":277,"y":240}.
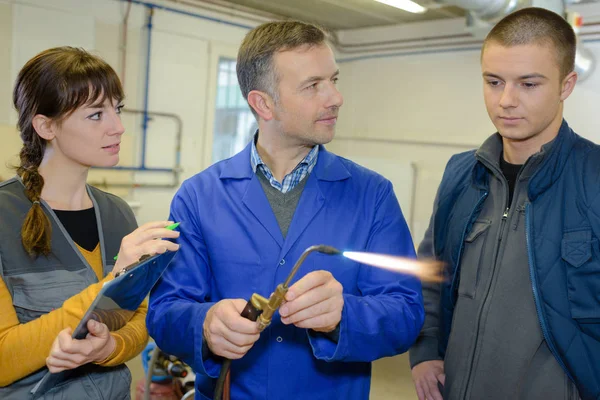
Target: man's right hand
{"x":426,"y":375}
{"x":226,"y":332}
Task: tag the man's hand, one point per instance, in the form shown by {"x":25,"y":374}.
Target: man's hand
{"x":69,"y":353}
{"x":226,"y":332}
{"x":426,"y":375}
{"x":314,"y":302}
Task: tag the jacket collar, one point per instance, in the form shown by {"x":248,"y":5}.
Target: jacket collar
{"x":544,"y":168}
{"x":552,"y":165}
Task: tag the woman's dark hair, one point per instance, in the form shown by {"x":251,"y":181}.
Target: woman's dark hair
{"x":54,"y":83}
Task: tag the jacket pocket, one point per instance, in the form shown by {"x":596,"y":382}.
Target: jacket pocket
{"x":78,"y":386}
{"x":470,"y":264}
{"x":113,"y":382}
{"x":33,"y":300}
{"x":236,"y":274}
{"x":581,"y":253}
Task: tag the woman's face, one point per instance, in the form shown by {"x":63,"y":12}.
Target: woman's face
{"x":91,"y":135}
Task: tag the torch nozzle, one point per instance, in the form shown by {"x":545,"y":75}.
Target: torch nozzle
{"x":321,"y":248}
{"x":262,"y":309}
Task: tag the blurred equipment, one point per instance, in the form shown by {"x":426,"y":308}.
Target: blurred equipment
{"x":167,"y":378}
{"x":262,"y":309}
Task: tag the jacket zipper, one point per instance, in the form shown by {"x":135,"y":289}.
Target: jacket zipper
{"x":536,"y":297}
{"x":502,"y":223}
{"x":500,"y":236}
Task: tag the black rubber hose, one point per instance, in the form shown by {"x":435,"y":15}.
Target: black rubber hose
{"x":250,"y":312}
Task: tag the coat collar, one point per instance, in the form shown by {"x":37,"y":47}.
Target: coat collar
{"x":329,"y":166}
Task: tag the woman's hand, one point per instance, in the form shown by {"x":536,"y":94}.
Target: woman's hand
{"x":143,"y":241}
{"x":69,"y":353}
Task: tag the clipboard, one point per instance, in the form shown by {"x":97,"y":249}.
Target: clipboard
{"x":114,"y":306}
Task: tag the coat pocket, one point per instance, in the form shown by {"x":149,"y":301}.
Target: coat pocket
{"x":580,"y":252}
{"x":236,"y":274}
{"x":471,"y":261}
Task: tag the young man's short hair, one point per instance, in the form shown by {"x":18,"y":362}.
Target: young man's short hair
{"x":534,"y":25}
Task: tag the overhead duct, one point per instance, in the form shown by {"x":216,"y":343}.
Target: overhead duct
{"x":486,"y":10}
{"x":483,"y":14}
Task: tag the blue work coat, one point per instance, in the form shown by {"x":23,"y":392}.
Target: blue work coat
{"x":232,"y":246}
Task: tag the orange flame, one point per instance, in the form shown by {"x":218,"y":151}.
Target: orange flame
{"x":425,"y":270}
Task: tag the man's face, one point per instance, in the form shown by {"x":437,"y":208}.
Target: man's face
{"x":523,"y":90}
{"x":308,"y":100}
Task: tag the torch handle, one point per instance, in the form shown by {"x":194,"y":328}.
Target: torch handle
{"x":222,"y":390}
{"x":250,"y":312}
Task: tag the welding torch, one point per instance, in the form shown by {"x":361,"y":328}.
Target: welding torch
{"x":261,"y":309}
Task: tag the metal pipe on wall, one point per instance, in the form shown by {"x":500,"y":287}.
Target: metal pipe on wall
{"x":175,"y":171}
{"x":123,"y":46}
{"x":438,"y":50}
{"x":150,"y":13}
{"x":146,"y":114}
{"x":463,"y":146}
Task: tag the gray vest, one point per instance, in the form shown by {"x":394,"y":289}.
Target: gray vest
{"x":38,"y":286}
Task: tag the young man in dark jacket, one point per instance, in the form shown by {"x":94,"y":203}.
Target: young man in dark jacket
{"x":517,"y":223}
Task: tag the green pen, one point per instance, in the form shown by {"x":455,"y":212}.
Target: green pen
{"x":169,"y":227}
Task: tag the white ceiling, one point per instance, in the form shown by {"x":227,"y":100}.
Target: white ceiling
{"x":340,"y":14}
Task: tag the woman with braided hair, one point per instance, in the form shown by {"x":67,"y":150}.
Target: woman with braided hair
{"x":58,"y":236}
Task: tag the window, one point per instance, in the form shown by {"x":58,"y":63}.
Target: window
{"x":234,"y":122}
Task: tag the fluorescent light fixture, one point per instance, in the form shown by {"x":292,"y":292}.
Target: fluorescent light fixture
{"x":405,"y":5}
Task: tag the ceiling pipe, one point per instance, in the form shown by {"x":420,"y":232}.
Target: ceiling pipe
{"x":482,"y":14}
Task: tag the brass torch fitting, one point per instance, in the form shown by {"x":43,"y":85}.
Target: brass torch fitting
{"x":269,"y":306}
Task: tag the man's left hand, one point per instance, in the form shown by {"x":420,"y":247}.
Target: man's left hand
{"x":314,"y":302}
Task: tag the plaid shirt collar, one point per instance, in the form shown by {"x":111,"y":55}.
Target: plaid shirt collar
{"x":291,"y":180}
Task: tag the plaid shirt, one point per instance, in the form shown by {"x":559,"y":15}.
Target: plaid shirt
{"x":292,"y":179}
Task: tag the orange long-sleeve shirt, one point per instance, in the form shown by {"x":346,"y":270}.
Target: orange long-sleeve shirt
{"x":24,"y":347}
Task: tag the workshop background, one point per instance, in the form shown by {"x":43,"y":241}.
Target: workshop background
{"x":411,"y":83}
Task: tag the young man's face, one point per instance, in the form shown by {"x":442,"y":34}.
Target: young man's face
{"x":523,"y":90}
{"x":308,"y":103}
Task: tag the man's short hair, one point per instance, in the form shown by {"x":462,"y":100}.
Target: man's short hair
{"x":255,"y":69}
{"x":534,"y":25}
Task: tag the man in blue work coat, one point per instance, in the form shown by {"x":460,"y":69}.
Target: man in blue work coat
{"x":247,"y":220}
